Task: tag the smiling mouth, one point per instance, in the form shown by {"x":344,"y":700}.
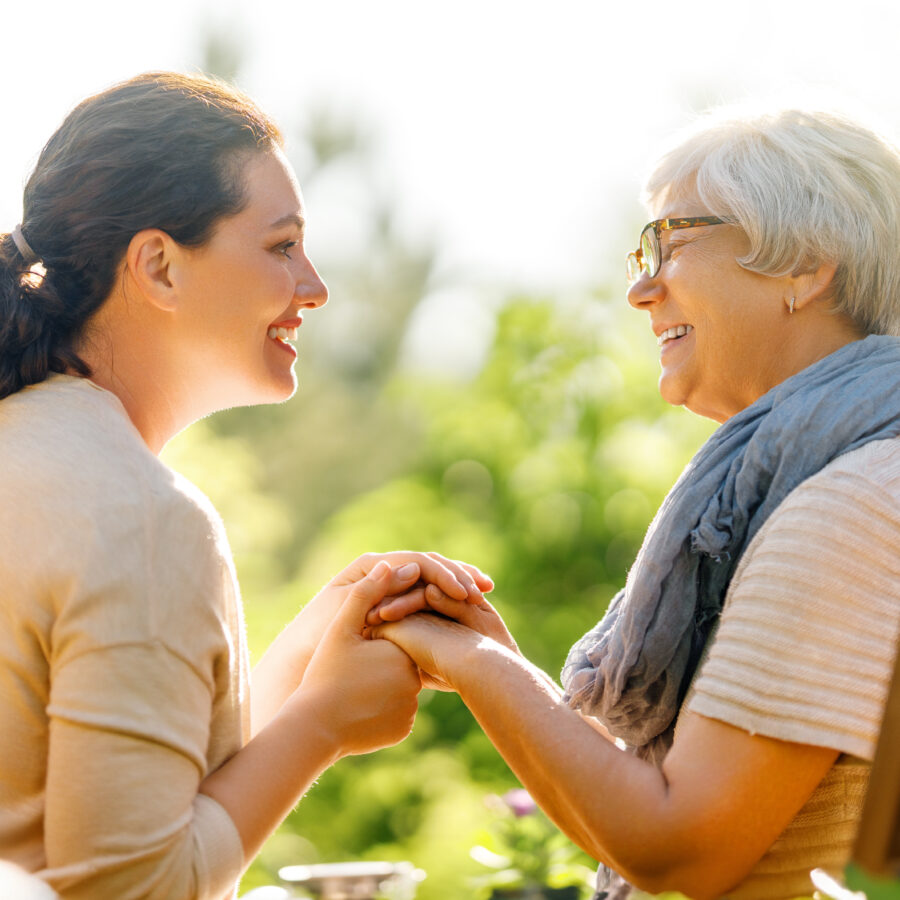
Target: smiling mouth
{"x":283,"y":334}
{"x":673,"y":333}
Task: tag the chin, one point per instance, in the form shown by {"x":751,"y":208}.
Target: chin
{"x":278,"y":392}
{"x":260,"y":392}
{"x":677,"y":395}
{"x":671,"y":392}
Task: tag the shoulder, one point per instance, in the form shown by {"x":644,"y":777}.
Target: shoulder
{"x":68,"y":451}
{"x":871,"y":469}
{"x":849,"y":511}
{"x":806,"y":640}
{"x":88,"y":513}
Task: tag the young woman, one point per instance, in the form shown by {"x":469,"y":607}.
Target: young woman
{"x":158,"y":275}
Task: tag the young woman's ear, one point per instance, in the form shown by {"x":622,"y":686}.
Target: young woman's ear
{"x":149,"y":264}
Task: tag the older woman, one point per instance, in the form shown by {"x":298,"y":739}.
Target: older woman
{"x":744,"y":666}
{"x":159,"y":274}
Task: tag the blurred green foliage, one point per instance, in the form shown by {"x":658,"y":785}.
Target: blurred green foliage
{"x":544,"y":469}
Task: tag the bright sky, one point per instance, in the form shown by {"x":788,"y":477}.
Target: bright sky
{"x":514,"y":132}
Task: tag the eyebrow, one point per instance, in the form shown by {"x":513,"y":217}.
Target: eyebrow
{"x":290,"y":219}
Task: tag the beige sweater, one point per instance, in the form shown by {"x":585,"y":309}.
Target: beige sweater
{"x":123,"y":669}
{"x":805,"y":646}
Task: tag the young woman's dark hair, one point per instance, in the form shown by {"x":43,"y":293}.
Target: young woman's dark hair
{"x":157,"y":151}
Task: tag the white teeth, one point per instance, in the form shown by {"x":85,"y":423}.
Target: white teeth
{"x":283,"y":334}
{"x":675,"y":331}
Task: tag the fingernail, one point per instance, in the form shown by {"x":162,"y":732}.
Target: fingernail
{"x":407,"y":571}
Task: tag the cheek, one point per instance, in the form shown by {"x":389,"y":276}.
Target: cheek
{"x":285,"y":280}
{"x":271,"y":283}
{"x":254,"y":290}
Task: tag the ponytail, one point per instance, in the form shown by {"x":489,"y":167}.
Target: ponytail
{"x":35,"y":331}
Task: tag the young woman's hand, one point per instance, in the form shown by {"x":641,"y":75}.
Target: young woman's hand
{"x":356,"y":695}
{"x":365,"y":690}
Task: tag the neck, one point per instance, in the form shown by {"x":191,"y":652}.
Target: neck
{"x":133,"y":360}
{"x":807,"y":345}
{"x":155,"y":417}
{"x":809,"y":336}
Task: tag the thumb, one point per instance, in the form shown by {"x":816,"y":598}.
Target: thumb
{"x":366,"y":593}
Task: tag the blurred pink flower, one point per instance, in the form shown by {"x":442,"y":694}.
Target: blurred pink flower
{"x":520,"y":802}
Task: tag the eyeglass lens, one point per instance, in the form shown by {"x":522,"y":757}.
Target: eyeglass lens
{"x":650,"y":251}
{"x":632,"y":268}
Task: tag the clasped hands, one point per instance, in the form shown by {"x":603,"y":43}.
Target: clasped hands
{"x":380,"y":630}
{"x":434,"y":627}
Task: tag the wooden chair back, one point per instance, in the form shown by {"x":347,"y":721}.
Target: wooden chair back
{"x":877,"y":848}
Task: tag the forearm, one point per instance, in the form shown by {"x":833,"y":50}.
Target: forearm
{"x":261,"y":783}
{"x":277,"y":675}
{"x":616,"y":807}
{"x":698,"y":824}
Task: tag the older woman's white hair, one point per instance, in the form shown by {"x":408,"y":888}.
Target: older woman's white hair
{"x":807,"y":188}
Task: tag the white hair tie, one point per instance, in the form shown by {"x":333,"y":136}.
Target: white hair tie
{"x":23,"y":246}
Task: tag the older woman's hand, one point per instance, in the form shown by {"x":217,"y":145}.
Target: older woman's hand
{"x":435,"y":640}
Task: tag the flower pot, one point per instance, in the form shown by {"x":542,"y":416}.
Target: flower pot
{"x":572,"y":892}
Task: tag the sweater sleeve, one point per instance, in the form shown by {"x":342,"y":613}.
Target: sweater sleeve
{"x":140,"y":665}
{"x":805,"y":645}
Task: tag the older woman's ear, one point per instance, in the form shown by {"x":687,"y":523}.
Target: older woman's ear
{"x":149,"y":266}
{"x":809,"y":287}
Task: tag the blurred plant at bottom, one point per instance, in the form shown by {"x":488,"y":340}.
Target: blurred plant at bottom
{"x":527,"y":855}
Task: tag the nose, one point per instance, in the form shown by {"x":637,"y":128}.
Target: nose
{"x":644,"y":292}
{"x":310,"y":290}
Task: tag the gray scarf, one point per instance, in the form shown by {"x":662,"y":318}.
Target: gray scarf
{"x":633,"y":669}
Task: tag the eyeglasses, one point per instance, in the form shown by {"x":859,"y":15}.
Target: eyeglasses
{"x":648,"y":257}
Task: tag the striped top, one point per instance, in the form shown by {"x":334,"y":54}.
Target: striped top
{"x":805,"y":646}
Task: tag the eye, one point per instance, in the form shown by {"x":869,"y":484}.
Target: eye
{"x":671,"y":248}
{"x":285,"y":248}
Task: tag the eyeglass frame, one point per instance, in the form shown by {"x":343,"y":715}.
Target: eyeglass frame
{"x":657,"y":227}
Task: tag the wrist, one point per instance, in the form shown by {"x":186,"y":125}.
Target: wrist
{"x":311,"y":715}
{"x":472,"y":663}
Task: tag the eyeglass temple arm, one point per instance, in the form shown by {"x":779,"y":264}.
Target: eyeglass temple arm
{"x":669,"y":224}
